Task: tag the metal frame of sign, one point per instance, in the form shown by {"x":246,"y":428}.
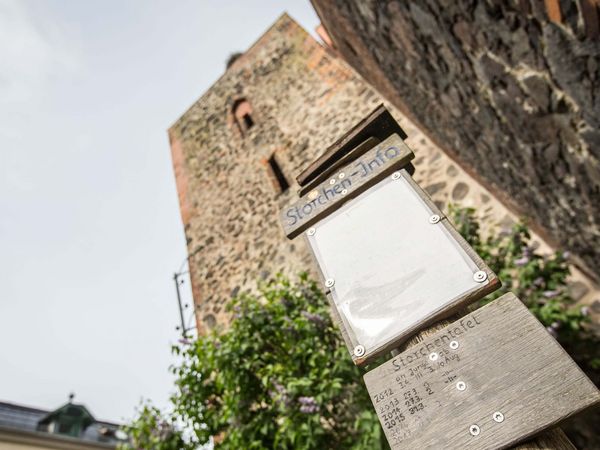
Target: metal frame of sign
{"x":364,"y":356}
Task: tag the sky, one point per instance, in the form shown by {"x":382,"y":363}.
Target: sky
{"x":90,"y":231}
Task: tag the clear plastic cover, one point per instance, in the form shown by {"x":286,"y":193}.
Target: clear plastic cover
{"x":392,"y":268}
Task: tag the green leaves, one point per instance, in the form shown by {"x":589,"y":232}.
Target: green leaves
{"x":279,"y":377}
{"x":151,"y":430}
{"x":539,"y":281}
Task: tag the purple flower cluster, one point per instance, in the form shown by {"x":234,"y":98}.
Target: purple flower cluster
{"x":185,"y":341}
{"x":521,"y":261}
{"x":306,"y":292}
{"x":553,"y":328}
{"x":308,"y":405}
{"x":552,"y":331}
{"x":286,"y":302}
{"x":314,"y":318}
{"x":237,"y":311}
{"x":551,"y":294}
{"x":162,"y":431}
{"x":280,"y":394}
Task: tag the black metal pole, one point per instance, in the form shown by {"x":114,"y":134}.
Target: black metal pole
{"x":183,"y":327}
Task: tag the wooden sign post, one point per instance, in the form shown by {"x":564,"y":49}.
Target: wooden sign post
{"x":487,"y":380}
{"x":393,"y":265}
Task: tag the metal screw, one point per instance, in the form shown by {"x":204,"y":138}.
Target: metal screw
{"x":311,"y":231}
{"x":454,"y":345}
{"x":359,"y":351}
{"x":480,"y":276}
{"x":329,"y":282}
{"x":341,"y":175}
{"x":395,"y":175}
{"x":474,"y":430}
{"x":498,"y":416}
{"x":433,"y":356}
{"x":344,"y":191}
{"x":434,"y":219}
{"x":332,"y":181}
{"x":313,"y":194}
{"x":461,"y":385}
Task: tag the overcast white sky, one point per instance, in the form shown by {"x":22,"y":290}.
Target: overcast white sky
{"x":90,"y":231}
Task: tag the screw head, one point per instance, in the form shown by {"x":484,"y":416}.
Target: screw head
{"x":359,"y":351}
{"x":480,"y":276}
{"x":498,"y":416}
{"x":344,"y":191}
{"x":433,"y":356}
{"x":311,"y":231}
{"x":332,"y":181}
{"x":474,"y":430}
{"x":395,"y":175}
{"x":461,"y":385}
{"x":313,"y":194}
{"x":434,"y":219}
{"x":341,"y":175}
{"x":454,"y":345}
{"x":329,"y":282}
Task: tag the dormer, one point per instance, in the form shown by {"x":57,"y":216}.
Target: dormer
{"x":70,"y":419}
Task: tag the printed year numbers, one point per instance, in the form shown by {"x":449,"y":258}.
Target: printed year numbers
{"x":379,"y":397}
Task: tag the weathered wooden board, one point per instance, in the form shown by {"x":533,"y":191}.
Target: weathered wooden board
{"x":353,"y":154}
{"x":447,"y":391}
{"x":351,"y":179}
{"x":394,"y":270}
{"x":379,"y":124}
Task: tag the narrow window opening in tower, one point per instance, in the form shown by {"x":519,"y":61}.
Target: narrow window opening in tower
{"x":350,"y":47}
{"x":248,"y":121}
{"x":242,"y":114}
{"x":282,"y":182}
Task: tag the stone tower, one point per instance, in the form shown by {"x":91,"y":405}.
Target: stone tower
{"x":236,"y":152}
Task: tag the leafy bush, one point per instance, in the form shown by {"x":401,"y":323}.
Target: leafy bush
{"x":279,"y":377}
{"x":539,"y":281}
{"x":151,"y":430}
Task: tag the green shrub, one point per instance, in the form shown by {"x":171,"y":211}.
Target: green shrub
{"x":153,"y":430}
{"x":539,"y":281}
{"x":279,"y":377}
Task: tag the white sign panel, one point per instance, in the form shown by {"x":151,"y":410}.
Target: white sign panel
{"x":392,"y":264}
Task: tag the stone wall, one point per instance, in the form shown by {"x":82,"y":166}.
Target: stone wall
{"x":510,"y":94}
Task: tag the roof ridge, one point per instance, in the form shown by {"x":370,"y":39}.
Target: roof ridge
{"x":19,"y":406}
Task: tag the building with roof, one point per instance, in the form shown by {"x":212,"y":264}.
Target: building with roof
{"x":71,"y":426}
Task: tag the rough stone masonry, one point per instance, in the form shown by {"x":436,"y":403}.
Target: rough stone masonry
{"x":275,"y":109}
{"x":510,"y":88}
